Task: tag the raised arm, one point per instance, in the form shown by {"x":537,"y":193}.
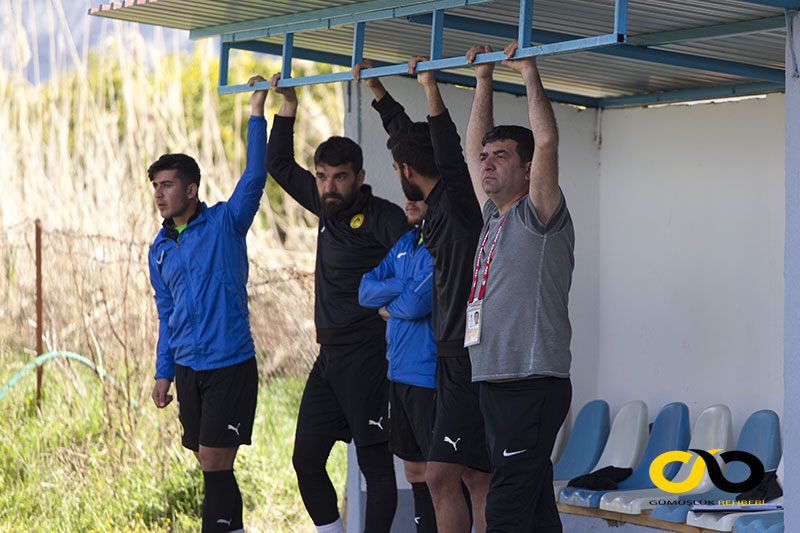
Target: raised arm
{"x":545,"y":194}
{"x":243,"y":203}
{"x":393,"y":115}
{"x":294,"y":179}
{"x":447,"y":145}
{"x":481,"y":118}
{"x":428,"y":81}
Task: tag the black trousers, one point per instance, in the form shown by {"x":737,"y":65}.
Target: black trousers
{"x":522,"y":420}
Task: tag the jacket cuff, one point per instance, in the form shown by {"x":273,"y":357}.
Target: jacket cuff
{"x":441,"y":123}
{"x":386,"y":104}
{"x":283,"y":124}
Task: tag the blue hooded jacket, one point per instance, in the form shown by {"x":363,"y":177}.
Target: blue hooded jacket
{"x":402,"y":282}
{"x":200,"y":279}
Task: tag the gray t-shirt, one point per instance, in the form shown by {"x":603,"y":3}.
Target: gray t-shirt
{"x":525,"y":329}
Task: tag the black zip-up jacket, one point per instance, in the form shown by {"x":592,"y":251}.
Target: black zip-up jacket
{"x":348,"y":245}
{"x":451,"y":227}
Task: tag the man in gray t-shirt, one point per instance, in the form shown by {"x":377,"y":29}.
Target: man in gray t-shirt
{"x":518,"y":328}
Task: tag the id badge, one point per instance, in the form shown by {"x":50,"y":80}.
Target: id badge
{"x":473,"y":334}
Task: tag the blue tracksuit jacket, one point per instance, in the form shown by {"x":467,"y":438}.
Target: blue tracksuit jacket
{"x":199,"y":279}
{"x":402,"y":282}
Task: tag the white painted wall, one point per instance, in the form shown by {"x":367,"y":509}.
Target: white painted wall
{"x":679,"y":219}
{"x":691,"y":221}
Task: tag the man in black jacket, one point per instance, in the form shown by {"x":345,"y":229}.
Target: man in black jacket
{"x":346,"y":393}
{"x":431,"y":166}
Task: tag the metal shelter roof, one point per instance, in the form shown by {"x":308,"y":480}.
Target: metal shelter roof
{"x":595,"y":53}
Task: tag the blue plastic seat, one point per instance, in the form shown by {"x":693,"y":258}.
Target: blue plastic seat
{"x":759,"y":523}
{"x":626,"y":441}
{"x":760,"y":436}
{"x":586,"y":442}
{"x":670,"y":432}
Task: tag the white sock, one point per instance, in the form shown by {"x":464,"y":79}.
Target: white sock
{"x":333,"y":527}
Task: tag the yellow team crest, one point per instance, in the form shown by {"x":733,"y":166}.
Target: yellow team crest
{"x":356,"y":221}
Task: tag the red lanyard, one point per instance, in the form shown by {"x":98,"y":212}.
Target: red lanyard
{"x":488,"y":259}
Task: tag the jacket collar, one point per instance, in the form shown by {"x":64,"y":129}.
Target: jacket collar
{"x":169,"y":225}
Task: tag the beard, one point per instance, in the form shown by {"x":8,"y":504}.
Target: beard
{"x":331,"y":209}
{"x":412,"y":192}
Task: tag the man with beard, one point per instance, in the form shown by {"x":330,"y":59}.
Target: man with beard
{"x":400,"y":289}
{"x":431,"y":166}
{"x":346,"y":392}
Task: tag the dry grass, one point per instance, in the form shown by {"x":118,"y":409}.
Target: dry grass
{"x":73,"y":153}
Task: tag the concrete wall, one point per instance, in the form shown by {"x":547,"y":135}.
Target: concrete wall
{"x":691,"y":223}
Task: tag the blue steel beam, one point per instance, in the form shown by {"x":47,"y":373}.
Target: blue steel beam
{"x":785,"y":4}
{"x":224,"y":53}
{"x":729,"y":29}
{"x":286,"y":55}
{"x":327,"y":18}
{"x":358,"y":43}
{"x":525,"y":23}
{"x":663,"y":57}
{"x":436,"y":34}
{"x":344,"y":61}
{"x":621,"y":18}
{"x":705,"y":93}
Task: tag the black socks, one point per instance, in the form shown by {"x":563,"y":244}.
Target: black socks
{"x":425,"y":516}
{"x":222,"y":505}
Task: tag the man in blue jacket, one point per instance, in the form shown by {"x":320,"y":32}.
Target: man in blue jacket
{"x":198,"y":269}
{"x":400,"y":288}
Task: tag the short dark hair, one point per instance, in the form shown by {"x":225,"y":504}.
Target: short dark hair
{"x":187,"y":169}
{"x":522,"y":136}
{"x":339,"y":151}
{"x":412,"y":146}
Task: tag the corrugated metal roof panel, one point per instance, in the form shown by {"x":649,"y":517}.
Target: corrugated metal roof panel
{"x":586,"y":73}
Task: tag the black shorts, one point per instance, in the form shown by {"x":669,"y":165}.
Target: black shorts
{"x":346,"y":394}
{"x":522,"y":420}
{"x":458,"y":433}
{"x":217,"y":407}
{"x":411,"y":415}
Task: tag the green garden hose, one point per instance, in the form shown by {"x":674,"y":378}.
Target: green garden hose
{"x":40,"y":360}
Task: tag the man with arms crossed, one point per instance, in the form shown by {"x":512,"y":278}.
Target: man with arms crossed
{"x":522,"y":274}
{"x":400,"y":288}
{"x":345,"y":395}
{"x":198,"y":269}
{"x":430,"y":164}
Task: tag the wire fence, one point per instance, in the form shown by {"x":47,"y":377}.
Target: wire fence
{"x":97,"y":301}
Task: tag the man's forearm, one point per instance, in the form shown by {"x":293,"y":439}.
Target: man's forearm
{"x":481,"y":120}
{"x":540,"y":111}
{"x":435,"y":103}
{"x":377,"y":89}
{"x":288,"y":108}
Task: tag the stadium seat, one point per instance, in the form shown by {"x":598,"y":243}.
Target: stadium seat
{"x":626,"y":441}
{"x":724,"y":521}
{"x":768,"y":522}
{"x":586,"y":442}
{"x":711,"y":431}
{"x":760,"y":435}
{"x":670,"y":432}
